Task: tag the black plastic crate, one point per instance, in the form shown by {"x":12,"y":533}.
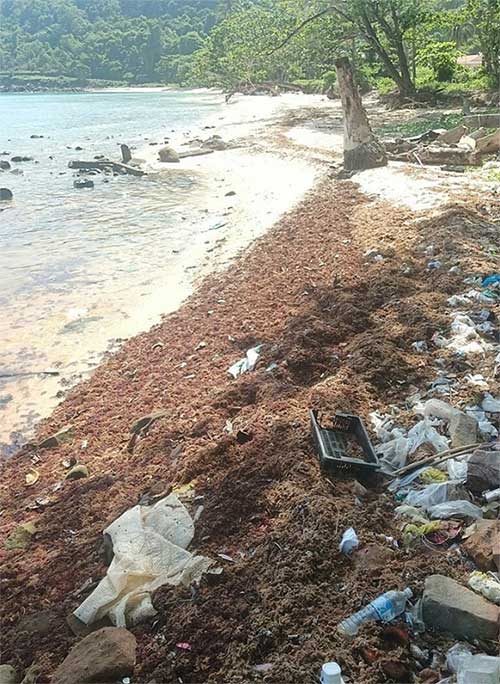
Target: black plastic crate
{"x":344,"y":447}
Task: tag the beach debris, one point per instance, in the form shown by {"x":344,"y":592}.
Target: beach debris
{"x":215,"y":142}
{"x":142,"y":425}
{"x":149,"y":545}
{"x":32,"y":477}
{"x":384,"y":609}
{"x":483,"y":471}
{"x":184,"y":646}
{"x":448,"y":606}
{"x":482,"y":543}
{"x":453,"y":135}
{"x":106,"y":165}
{"x":8,"y":674}
{"x":331,"y":673}
{"x":349,"y":542}
{"x":77,"y":472}
{"x":81,"y":183}
{"x":458,"y":508}
{"x":168,"y":155}
{"x":21,"y":536}
{"x":485,"y":584}
{"x":104,"y":656}
{"x":479,"y":668}
{"x":126,"y":154}
{"x":344,"y":446}
{"x":58,"y":438}
{"x":247,"y":363}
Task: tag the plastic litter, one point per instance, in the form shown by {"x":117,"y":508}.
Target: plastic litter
{"x":247,"y":363}
{"x":494,"y":495}
{"x":487,"y":585}
{"x":457,"y":470}
{"x":456,"y":656}
{"x":455,"y":509}
{"x":477,"y":381}
{"x":431,"y":495}
{"x":331,"y":674}
{"x":464,"y":338}
{"x":491,"y":280}
{"x":384,"y":608}
{"x":479,"y":669}
{"x":149,"y":545}
{"x":349,"y":542}
{"x":490,"y":404}
{"x":486,"y":428}
{"x":394,"y":453}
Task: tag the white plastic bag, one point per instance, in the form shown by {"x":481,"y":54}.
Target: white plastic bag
{"x":486,"y":585}
{"x":247,"y":363}
{"x":425,"y":433}
{"x":429,"y":496}
{"x":457,"y":470}
{"x":149,"y":545}
{"x":455,"y":509}
{"x":455,"y":657}
{"x":349,"y":542}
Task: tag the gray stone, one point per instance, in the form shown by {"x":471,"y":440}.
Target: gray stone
{"x":483,"y":471}
{"x":4,"y":165}
{"x":37,"y":623}
{"x":168,"y":155}
{"x":103,"y":656}
{"x":8,"y":675}
{"x":5,"y":194}
{"x":462,"y":429}
{"x":450,"y":607}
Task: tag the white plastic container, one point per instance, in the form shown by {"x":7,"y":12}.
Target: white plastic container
{"x":479,"y":669}
{"x":331,"y":674}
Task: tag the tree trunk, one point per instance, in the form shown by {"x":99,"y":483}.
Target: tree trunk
{"x":362,"y":150}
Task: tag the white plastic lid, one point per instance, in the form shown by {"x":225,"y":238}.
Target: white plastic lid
{"x":331,"y":674}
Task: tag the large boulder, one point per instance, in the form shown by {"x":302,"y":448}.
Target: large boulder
{"x":4,"y":165}
{"x":168,"y":155}
{"x":450,"y":607}
{"x":5,"y":194}
{"x":483,"y":471}
{"x":104,"y":656}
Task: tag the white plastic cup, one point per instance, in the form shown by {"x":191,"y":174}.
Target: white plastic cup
{"x":331,"y":674}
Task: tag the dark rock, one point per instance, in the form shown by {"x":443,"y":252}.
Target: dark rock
{"x":35,"y":137}
{"x":231,"y":193}
{"x":215,"y":142}
{"x":483,"y":545}
{"x":483,"y":471}
{"x":19,"y":158}
{"x":4,"y":165}
{"x":104,"y":656}
{"x":83,"y":183}
{"x":126,"y":154}
{"x":78,"y":148}
{"x":77,"y":472}
{"x":447,"y":606}
{"x":5,"y":194}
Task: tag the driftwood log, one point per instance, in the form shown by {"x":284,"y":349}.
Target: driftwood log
{"x":362,"y":150}
{"x":193,"y":153}
{"x":439,"y":155}
{"x":104,"y":164}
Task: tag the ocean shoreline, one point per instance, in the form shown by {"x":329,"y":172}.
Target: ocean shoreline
{"x":214,"y":250}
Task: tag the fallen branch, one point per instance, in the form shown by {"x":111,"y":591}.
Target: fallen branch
{"x":106,"y":164}
{"x":193,"y":153}
{"x":435,"y":459}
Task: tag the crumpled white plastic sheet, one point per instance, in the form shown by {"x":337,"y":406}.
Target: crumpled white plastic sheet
{"x":451,"y":509}
{"x":464,"y":337}
{"x":149,"y":544}
{"x":486,"y":427}
{"x":490,"y":404}
{"x":247,"y":363}
{"x":395,"y":452}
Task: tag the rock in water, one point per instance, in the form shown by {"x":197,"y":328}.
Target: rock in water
{"x":5,"y":194}
{"x":104,"y":656}
{"x":4,"y":165}
{"x":83,"y":183}
{"x":126,"y":155}
{"x":19,"y":158}
{"x":168,"y":155}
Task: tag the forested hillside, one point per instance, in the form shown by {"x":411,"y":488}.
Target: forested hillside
{"x":129,"y":40}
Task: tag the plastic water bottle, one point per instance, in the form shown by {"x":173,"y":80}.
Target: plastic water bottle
{"x":384,"y":608}
{"x":331,"y":674}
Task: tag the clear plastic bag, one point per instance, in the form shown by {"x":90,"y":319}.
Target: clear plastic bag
{"x":455,"y":509}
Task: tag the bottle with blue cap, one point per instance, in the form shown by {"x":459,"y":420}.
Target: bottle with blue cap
{"x":331,"y":674}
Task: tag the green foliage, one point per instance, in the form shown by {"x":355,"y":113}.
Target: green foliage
{"x":419,"y":124}
{"x":136,"y":40}
{"x":441,"y":57}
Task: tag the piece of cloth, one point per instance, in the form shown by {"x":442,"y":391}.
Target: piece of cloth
{"x":149,"y":545}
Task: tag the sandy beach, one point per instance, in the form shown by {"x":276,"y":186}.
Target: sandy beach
{"x":337,"y":328}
